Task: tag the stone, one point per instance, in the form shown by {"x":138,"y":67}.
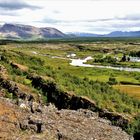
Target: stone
{"x":23,"y":106}
{"x":24,"y":125}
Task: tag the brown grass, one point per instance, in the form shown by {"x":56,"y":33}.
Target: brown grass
{"x":132,"y":90}
{"x":21,"y":67}
{"x":27,"y":90}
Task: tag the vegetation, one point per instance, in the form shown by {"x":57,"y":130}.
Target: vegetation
{"x":107,"y":59}
{"x":22,"y":58}
{"x":112,"y":81}
{"x":135,"y":53}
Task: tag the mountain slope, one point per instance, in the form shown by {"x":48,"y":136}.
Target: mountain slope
{"x":27,"y":32}
{"x":124,"y":34}
{"x":82,"y":34}
{"x":112,"y":34}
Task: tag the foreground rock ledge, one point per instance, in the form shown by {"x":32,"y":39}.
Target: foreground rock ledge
{"x":47,"y":123}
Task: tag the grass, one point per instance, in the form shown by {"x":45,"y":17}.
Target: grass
{"x":61,"y":71}
{"x":91,"y":73}
{"x":131,"y":90}
{"x":130,"y":79}
{"x":90,"y":82}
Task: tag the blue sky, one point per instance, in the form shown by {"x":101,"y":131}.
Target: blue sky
{"x":93,"y":16}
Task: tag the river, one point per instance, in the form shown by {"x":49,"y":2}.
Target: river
{"x":81,"y":63}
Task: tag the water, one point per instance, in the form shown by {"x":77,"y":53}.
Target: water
{"x":81,"y":63}
{"x":134,"y":59}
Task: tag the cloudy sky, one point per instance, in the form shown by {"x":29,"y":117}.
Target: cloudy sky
{"x":93,"y":16}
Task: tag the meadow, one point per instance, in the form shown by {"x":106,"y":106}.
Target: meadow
{"x":114,"y":90}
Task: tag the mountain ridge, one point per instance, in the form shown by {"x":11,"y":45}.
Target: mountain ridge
{"x":20,"y":31}
{"x":111,"y":34}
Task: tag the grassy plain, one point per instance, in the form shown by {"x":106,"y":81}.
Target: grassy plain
{"x":49,"y":60}
{"x":82,"y":47}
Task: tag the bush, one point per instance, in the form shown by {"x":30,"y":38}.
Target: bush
{"x":135,"y":54}
{"x":112,"y":81}
{"x":134,"y":127}
{"x":107,"y":59}
{"x":27,"y":82}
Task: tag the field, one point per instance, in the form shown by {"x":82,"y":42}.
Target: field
{"x":98,"y":49}
{"x":89,"y":47}
{"x":51,"y":60}
{"x":132,"y":90}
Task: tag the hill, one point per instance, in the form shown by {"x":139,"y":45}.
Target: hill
{"x":19,"y":31}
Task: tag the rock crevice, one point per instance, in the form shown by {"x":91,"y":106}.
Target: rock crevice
{"x":65,"y":100}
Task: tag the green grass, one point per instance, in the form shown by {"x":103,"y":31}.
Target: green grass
{"x":90,"y":82}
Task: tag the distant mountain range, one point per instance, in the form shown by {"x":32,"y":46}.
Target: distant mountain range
{"x":112,"y":34}
{"x":18,"y":31}
{"x":81,"y":34}
{"x":124,"y":34}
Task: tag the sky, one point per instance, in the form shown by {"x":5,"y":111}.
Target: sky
{"x":91,"y":16}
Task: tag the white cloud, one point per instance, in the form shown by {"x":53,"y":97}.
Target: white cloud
{"x":99,"y":16}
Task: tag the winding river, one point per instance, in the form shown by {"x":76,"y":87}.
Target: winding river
{"x":81,"y":63}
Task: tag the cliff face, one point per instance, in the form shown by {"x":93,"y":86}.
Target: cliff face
{"x":30,"y":120}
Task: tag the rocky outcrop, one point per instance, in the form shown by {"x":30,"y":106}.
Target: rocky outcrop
{"x":33,"y":123}
{"x":65,"y":100}
{"x":14,"y":90}
{"x":59,"y":123}
{"x":53,"y":124}
{"x":61,"y":99}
